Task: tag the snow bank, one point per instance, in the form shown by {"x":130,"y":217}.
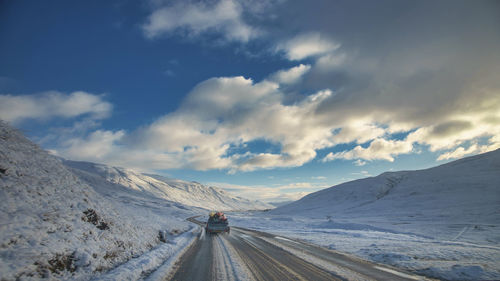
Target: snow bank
{"x":164,"y":255}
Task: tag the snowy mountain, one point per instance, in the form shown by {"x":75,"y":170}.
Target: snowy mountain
{"x":464,"y":191}
{"x":468,"y":189}
{"x":187,"y":193}
{"x":280,"y":203}
{"x":53,"y":225}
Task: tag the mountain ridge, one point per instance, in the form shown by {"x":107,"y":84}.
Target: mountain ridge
{"x":468,"y":188}
{"x":184,"y":192}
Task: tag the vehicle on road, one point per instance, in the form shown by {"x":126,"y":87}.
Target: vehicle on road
{"x":217,"y":223}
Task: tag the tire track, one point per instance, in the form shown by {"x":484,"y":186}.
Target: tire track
{"x":223,"y":266}
{"x":268,"y":262}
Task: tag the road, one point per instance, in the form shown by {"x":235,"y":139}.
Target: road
{"x":251,"y":255}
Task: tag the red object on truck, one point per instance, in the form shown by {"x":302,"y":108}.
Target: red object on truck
{"x":217,"y":223}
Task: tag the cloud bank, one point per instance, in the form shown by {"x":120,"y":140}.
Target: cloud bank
{"x":389,"y":79}
{"x":220,"y":116}
{"x":276,"y":193}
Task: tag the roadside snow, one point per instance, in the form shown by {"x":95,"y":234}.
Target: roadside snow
{"x":159,"y":261}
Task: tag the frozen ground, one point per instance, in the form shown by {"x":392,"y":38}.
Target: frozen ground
{"x":441,"y":222}
{"x":443,"y":254}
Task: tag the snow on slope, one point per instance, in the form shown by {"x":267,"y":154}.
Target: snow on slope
{"x":442,"y":222}
{"x":187,"y":193}
{"x":466,"y":191}
{"x":53,"y":225}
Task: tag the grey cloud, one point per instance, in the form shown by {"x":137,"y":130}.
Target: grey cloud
{"x":415,"y":57}
{"x":450,"y":128}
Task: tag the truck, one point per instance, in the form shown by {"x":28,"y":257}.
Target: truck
{"x":217,"y":223}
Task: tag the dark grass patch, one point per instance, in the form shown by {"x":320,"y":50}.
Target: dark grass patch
{"x":62,"y":263}
{"x":56,"y":265}
{"x":91,"y":216}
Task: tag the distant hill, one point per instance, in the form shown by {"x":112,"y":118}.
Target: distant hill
{"x":280,"y":203}
{"x":187,"y":193}
{"x":466,"y":190}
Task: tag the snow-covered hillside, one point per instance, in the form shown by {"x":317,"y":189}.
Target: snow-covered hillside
{"x":443,"y":222}
{"x":466,"y":191}
{"x":52,"y":224}
{"x":187,"y":193}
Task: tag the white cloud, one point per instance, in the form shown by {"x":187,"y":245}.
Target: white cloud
{"x":224,"y":17}
{"x":230,"y":111}
{"x":460,"y":129}
{"x":362,"y":174}
{"x":307,"y":45}
{"x":221,"y":115}
{"x":359,"y":162}
{"x":474,"y":148}
{"x":279,"y":192}
{"x":379,"y":149}
{"x":53,"y":104}
{"x":493,"y":145}
{"x":359,"y":131}
{"x":458,"y":153}
{"x":216,"y":115}
{"x":99,"y":145}
{"x":292,"y":75}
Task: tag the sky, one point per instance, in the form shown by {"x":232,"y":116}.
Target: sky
{"x":268,"y":99}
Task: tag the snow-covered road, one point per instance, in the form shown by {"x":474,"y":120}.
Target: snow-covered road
{"x":251,"y":255}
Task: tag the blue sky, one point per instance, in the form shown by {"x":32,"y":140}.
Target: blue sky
{"x":269,"y":99}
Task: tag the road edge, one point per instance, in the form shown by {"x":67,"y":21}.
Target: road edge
{"x":168,"y":266}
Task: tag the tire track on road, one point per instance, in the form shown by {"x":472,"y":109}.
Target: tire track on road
{"x":268,"y":262}
{"x":223,"y":267}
